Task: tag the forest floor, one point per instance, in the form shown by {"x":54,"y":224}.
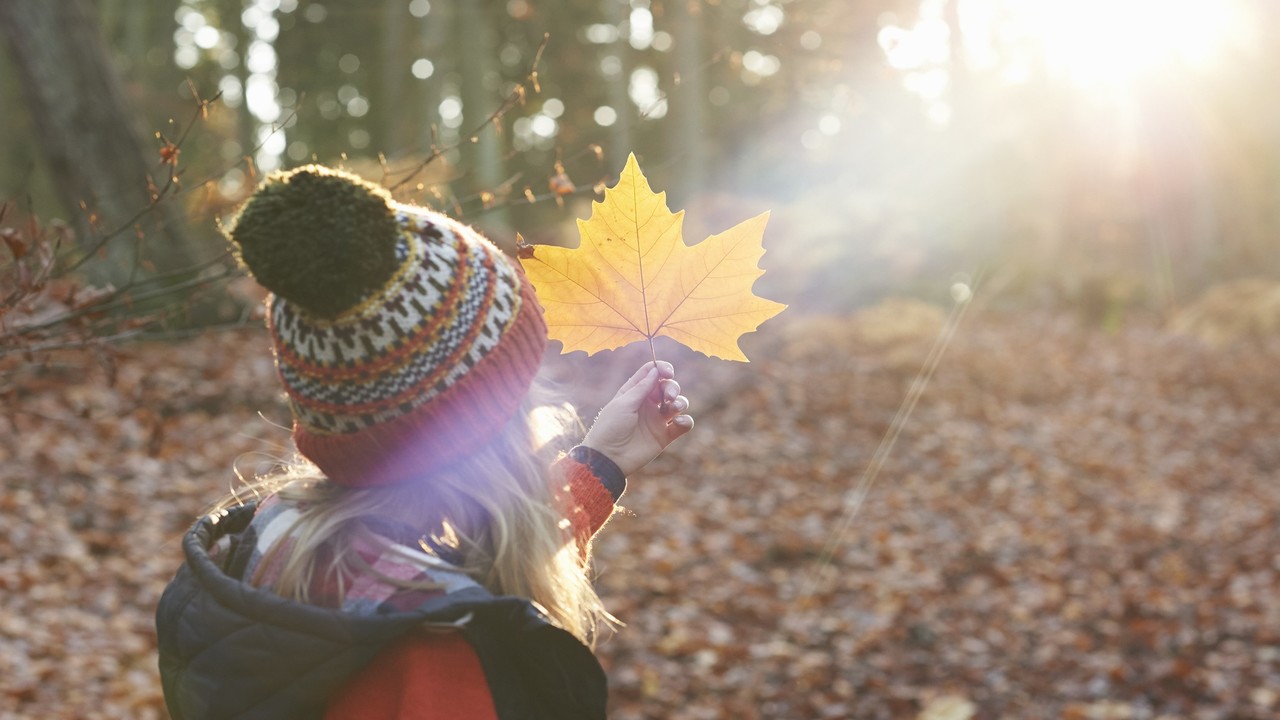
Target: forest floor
{"x":1073,"y":523}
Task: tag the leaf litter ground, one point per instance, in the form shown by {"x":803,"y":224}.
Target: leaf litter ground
{"x":1073,"y":525}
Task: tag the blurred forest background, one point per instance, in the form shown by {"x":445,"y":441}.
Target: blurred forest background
{"x":1107,"y":157}
{"x":1081,"y":518}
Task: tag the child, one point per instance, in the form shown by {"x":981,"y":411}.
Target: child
{"x":429,"y":559}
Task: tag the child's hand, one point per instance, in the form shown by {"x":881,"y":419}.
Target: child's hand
{"x":646,"y":414}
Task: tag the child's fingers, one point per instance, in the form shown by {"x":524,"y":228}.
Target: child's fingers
{"x":641,"y":375}
{"x":649,"y":388}
{"x":675,"y":406}
{"x":679,"y":425}
{"x":636,"y":378}
{"x":666,"y":392}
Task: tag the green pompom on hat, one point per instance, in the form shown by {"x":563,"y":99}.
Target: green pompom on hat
{"x":317,"y":237}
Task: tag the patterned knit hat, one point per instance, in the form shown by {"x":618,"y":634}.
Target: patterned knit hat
{"x":404,"y":339}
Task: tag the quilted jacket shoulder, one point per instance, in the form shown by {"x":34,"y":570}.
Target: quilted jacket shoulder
{"x":231,"y":650}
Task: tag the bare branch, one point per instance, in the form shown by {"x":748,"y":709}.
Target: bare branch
{"x":513,"y":99}
{"x":160,"y":195}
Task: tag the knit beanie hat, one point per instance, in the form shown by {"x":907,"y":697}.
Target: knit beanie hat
{"x":404,"y":339}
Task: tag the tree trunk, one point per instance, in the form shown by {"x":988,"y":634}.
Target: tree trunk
{"x":687,"y":127}
{"x":620,"y":140}
{"x":478,"y":65}
{"x":246,"y":126}
{"x":395,"y":21}
{"x":88,"y":136}
{"x":433,"y":31}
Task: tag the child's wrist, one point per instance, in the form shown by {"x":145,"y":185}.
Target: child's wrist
{"x":603,"y":467}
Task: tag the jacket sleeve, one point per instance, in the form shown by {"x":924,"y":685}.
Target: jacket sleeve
{"x":422,"y":676}
{"x":590,"y":486}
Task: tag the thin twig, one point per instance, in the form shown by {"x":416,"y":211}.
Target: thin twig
{"x":515,"y":97}
{"x":160,"y":196}
{"x":71,"y":344}
{"x":187,"y":333}
{"x":247,"y":157}
{"x":116,"y":297}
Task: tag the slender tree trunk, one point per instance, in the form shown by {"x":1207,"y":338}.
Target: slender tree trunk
{"x":483,"y":159}
{"x":395,"y":21}
{"x":620,"y":144}
{"x":88,"y":137}
{"x":233,"y":22}
{"x":688,"y":125}
{"x":433,"y":32}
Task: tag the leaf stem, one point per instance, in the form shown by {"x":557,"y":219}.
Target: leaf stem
{"x":644,"y":296}
{"x":662,"y":402}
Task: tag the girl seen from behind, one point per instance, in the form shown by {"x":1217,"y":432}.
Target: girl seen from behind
{"x":427,"y":556}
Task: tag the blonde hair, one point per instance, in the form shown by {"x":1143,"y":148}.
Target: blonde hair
{"x":500,"y":509}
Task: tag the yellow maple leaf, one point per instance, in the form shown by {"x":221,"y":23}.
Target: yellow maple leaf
{"x":632,"y":277}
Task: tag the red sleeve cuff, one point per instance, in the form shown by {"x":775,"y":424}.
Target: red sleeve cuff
{"x":606,"y":470}
{"x":589,"y":504}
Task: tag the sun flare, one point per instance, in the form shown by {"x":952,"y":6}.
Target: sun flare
{"x":1097,"y":41}
{"x":1086,"y":42}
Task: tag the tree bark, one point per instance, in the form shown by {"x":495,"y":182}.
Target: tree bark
{"x":395,"y":21}
{"x":433,"y":39}
{"x":620,"y":133}
{"x":89,"y":138}
{"x":477,"y":55}
{"x":688,"y":124}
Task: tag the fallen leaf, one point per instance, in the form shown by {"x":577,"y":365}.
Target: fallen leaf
{"x":632,"y":277}
{"x":17,"y":245}
{"x":1022,"y":553}
{"x":948,"y":707}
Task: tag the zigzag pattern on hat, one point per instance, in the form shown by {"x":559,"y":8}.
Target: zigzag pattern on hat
{"x":449,"y":303}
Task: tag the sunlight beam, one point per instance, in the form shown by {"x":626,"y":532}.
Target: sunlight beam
{"x":1117,"y":42}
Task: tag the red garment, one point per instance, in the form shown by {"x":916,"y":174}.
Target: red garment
{"x":437,"y":676}
{"x":423,"y":676}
